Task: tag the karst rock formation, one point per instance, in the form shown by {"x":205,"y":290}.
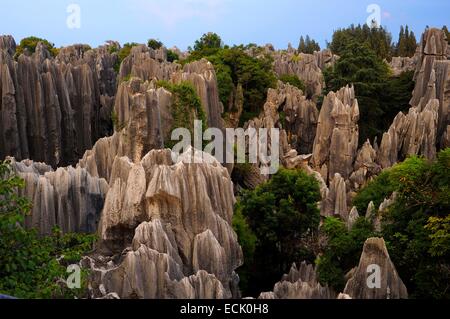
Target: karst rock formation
{"x":171,"y":223}
{"x":390,"y":286}
{"x":164,"y":223}
{"x":54,"y":109}
{"x":300,"y":283}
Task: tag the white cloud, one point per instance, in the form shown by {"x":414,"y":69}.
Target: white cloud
{"x":171,"y":12}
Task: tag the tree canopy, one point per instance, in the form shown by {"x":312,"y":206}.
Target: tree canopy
{"x":380,"y":96}
{"x":308,"y":45}
{"x":377,"y":39}
{"x":154,"y":44}
{"x":209,"y":40}
{"x":283,"y":215}
{"x":407,"y":43}
{"x":28,"y":45}
{"x":234,"y":66}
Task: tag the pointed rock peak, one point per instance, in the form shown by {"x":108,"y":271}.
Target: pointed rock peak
{"x":352,"y":218}
{"x":376,"y":276}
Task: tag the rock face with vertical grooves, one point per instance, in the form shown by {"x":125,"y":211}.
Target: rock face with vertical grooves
{"x":146,"y":64}
{"x":176,"y":218}
{"x":68,"y":198}
{"x":144,"y":112}
{"x":403,"y":64}
{"x":300,"y":283}
{"x":392,"y":287}
{"x":337,"y":135}
{"x":335,"y":203}
{"x":202,"y":76}
{"x":308,"y":68}
{"x":288,"y":110}
{"x":53,"y":109}
{"x":424,"y":129}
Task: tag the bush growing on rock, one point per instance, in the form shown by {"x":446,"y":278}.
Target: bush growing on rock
{"x":124,"y":52}
{"x":234,"y":66}
{"x":186,"y":107}
{"x":154,"y":44}
{"x":28,"y":45}
{"x":172,"y":56}
{"x":293,"y":80}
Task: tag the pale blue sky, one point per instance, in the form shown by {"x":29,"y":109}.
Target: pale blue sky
{"x":181,"y":22}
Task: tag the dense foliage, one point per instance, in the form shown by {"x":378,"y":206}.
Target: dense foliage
{"x":308,"y":45}
{"x":342,"y":251}
{"x":32,"y":266}
{"x":380,"y":96}
{"x":234,"y":66}
{"x":284,"y":216}
{"x":154,"y":44}
{"x":377,"y":39}
{"x":376,"y":191}
{"x":28,"y":45}
{"x":172,"y":56}
{"x":208,"y":41}
{"x":407,"y":43}
{"x":293,"y":80}
{"x":417,"y":225}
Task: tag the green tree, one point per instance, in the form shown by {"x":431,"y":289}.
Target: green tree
{"x":154,"y":44}
{"x":380,"y":96}
{"x":308,"y":46}
{"x":32,"y":266}
{"x":343,"y":250}
{"x":377,"y":39}
{"x":416,"y":226}
{"x":293,"y":80}
{"x":28,"y":46}
{"x":234,"y":66}
{"x":209,"y":40}
{"x":283,"y":215}
{"x":172,"y":56}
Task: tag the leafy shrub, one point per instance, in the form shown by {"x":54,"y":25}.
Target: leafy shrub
{"x":293,"y":80}
{"x":29,"y":45}
{"x":124,"y":52}
{"x":377,"y":191}
{"x":172,"y":56}
{"x":154,"y":44}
